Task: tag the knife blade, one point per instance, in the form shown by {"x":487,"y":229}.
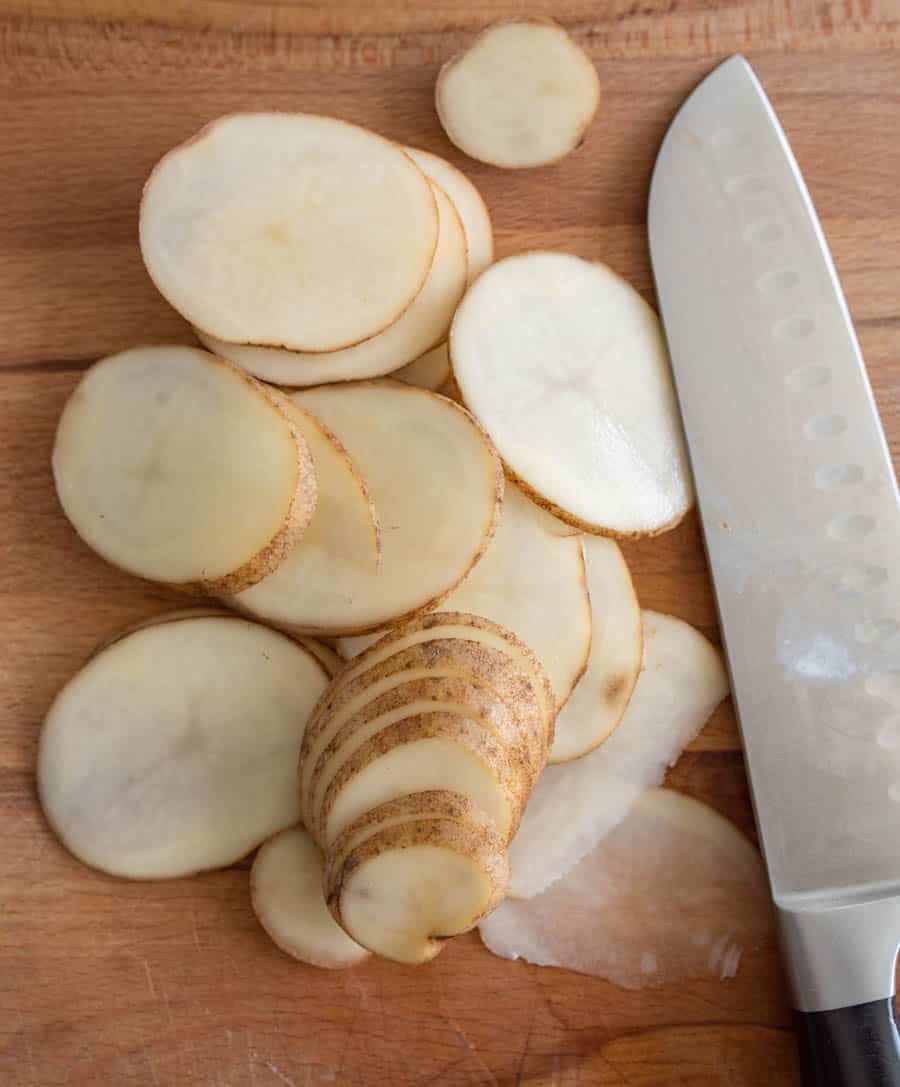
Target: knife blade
{"x":801,"y":519}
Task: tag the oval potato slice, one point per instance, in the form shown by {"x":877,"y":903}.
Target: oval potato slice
{"x":149,"y":751}
{"x":430,"y":371}
{"x":566,"y":367}
{"x":424,"y":324}
{"x":174,"y":465}
{"x":521,"y":95}
{"x":288,"y":229}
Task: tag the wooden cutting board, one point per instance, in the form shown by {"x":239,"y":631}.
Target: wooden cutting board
{"x":110,"y":983}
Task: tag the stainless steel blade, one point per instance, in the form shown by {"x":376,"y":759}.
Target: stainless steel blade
{"x":796,"y":490}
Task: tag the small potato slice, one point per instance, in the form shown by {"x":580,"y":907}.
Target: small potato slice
{"x":428,"y":372}
{"x":521,"y":95}
{"x":408,"y":888}
{"x":601,"y":697}
{"x":424,"y":324}
{"x":437,"y":485}
{"x":173,"y":750}
{"x":467,"y":200}
{"x":531,"y":581}
{"x":175,"y":466}
{"x":289,"y":902}
{"x":288,"y":229}
{"x":566,"y":366}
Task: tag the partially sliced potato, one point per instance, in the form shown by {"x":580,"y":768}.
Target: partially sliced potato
{"x":467,"y":200}
{"x":175,"y":466}
{"x":531,"y":581}
{"x":577,"y":804}
{"x":408,"y":888}
{"x":424,"y":324}
{"x":521,"y":95}
{"x":288,"y":899}
{"x":288,"y":229}
{"x":430,"y":371}
{"x":174,"y":749}
{"x":675,"y":892}
{"x":437,"y":485}
{"x":566,"y":366}
{"x":599,"y":701}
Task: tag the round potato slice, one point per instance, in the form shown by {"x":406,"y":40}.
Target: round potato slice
{"x":289,"y":902}
{"x":430,"y":371}
{"x":174,"y":749}
{"x":566,"y":366}
{"x":324,"y":654}
{"x":421,"y":326}
{"x":532,"y":582}
{"x":521,"y":95}
{"x":288,"y":229}
{"x":467,"y":200}
{"x":175,"y":466}
{"x":437,"y":485}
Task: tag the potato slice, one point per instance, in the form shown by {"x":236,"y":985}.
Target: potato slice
{"x":290,"y":230}
{"x":577,"y":804}
{"x":566,"y":366}
{"x":467,"y":200}
{"x":521,"y":95}
{"x":324,"y":654}
{"x":531,"y":581}
{"x":599,"y":701}
{"x":407,"y":889}
{"x":675,"y":892}
{"x":437,"y":485}
{"x":151,"y":751}
{"x":430,"y":371}
{"x":173,"y":465}
{"x":421,"y":326}
{"x":289,"y":902}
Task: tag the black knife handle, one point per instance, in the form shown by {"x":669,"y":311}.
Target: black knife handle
{"x":857,"y":1046}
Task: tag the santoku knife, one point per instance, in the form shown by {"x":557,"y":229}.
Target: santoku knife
{"x":801,"y":517}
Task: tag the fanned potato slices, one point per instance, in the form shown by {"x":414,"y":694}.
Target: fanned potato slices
{"x":174,"y":749}
{"x":429,"y":371}
{"x":288,"y":229}
{"x":177,"y":467}
{"x":421,"y":326}
{"x":566,"y":367}
{"x":521,"y":95}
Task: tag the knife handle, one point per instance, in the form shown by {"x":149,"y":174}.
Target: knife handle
{"x":857,"y":1046}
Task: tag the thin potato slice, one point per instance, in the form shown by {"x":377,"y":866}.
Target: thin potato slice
{"x":566,"y":366}
{"x":532,"y":582}
{"x":430,"y":371}
{"x":424,"y":324}
{"x":675,"y":892}
{"x":288,"y":229}
{"x":174,"y":749}
{"x":173,"y":465}
{"x":289,"y":902}
{"x":577,"y":804}
{"x":599,"y":701}
{"x":521,"y":95}
{"x":437,"y":485}
{"x":324,"y":654}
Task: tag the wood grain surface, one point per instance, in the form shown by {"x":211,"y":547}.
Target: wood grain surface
{"x":104,"y":982}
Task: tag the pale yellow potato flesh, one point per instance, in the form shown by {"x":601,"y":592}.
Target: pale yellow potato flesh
{"x":175,"y":466}
{"x":288,"y":229}
{"x":420,"y":327}
{"x":521,"y":95}
{"x":331,"y":661}
{"x":430,"y":371}
{"x":289,"y":902}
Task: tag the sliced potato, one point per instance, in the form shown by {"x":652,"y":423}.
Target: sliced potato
{"x":599,"y":701}
{"x":174,"y":749}
{"x":467,"y":200}
{"x":437,"y":485}
{"x":408,"y":888}
{"x":577,"y":804}
{"x":566,"y":366}
{"x":531,"y":580}
{"x":288,"y":229}
{"x":173,"y":465}
{"x":521,"y":95}
{"x":324,"y":654}
{"x":289,"y":902}
{"x":430,"y":371}
{"x":421,"y":326}
{"x":675,"y":892}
